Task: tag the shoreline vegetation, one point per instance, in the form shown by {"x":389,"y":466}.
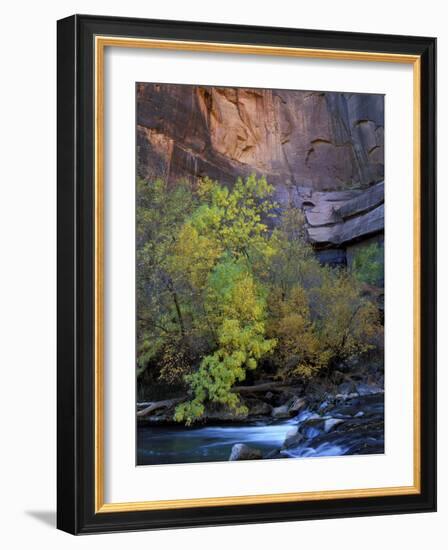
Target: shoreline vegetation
{"x":238,"y":321}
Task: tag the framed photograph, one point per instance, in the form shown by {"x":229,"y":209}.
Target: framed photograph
{"x":246,"y":274}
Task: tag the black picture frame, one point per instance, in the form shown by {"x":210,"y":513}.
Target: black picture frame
{"x":76,"y":269}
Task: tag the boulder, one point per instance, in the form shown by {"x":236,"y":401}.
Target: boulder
{"x":293,"y":441}
{"x":292,"y":432}
{"x":312,"y":426}
{"x":240,"y":451}
{"x":297,"y":405}
{"x":331,"y":423}
{"x":281,"y":412}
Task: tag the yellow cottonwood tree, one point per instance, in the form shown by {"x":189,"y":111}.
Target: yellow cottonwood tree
{"x":237,"y":308}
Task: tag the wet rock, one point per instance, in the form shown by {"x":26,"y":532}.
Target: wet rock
{"x":240,"y":451}
{"x":345,"y":396}
{"x":281,"y":412}
{"x":331,"y":423}
{"x":366,"y":389}
{"x":313,"y":418}
{"x":324,"y":405}
{"x":355,"y":426}
{"x":297,"y":405}
{"x":353,"y":404}
{"x":312,"y":427}
{"x":293,"y":441}
{"x":293,"y":431}
{"x":275,"y":453}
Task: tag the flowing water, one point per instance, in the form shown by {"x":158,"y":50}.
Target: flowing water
{"x":172,"y":444}
{"x":211,"y":443}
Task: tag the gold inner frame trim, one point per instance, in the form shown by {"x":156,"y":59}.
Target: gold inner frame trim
{"x":101,"y":42}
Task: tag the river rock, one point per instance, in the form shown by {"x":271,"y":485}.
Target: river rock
{"x":293,"y":431}
{"x":332,"y":423}
{"x":292,"y":438}
{"x":345,"y":396}
{"x":312,"y":426}
{"x":293,"y":441}
{"x":366,"y":389}
{"x":240,"y":451}
{"x":297,"y":405}
{"x":281,"y":412}
{"x":313,"y":417}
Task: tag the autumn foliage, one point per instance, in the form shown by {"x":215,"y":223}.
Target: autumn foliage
{"x":226,"y":283}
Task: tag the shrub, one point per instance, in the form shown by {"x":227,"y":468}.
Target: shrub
{"x":368,"y":264}
{"x":322,"y":325}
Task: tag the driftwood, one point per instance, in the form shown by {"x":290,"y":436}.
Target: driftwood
{"x":159,"y":405}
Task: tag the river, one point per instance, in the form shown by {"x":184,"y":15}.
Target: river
{"x":171,"y":444}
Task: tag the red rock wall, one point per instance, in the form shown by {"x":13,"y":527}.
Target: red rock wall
{"x":326,"y":141}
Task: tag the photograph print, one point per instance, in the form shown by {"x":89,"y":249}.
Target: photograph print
{"x":259,"y":274}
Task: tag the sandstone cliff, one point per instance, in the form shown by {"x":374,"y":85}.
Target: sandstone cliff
{"x":325,"y":141}
{"x":322,"y":151}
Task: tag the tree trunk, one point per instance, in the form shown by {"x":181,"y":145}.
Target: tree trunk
{"x":177,"y":306}
{"x":266,"y":386}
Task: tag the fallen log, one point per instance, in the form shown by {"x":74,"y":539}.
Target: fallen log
{"x":266,"y":386}
{"x":167,"y":403}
